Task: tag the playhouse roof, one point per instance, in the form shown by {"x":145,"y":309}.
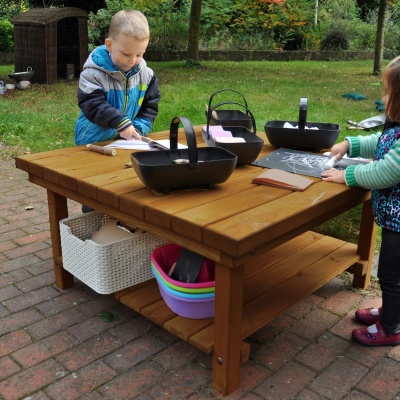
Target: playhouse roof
{"x":44,"y":16}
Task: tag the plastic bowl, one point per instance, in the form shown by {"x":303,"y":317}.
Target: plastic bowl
{"x":178,"y":288}
{"x":188,"y":308}
{"x":183,"y":294}
{"x":163,"y":257}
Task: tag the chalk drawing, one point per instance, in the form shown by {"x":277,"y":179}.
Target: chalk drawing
{"x":301,"y":162}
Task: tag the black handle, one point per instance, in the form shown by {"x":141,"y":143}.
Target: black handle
{"x":224,"y":90}
{"x":303,"y":113}
{"x":190,"y":138}
{"x":230,"y":102}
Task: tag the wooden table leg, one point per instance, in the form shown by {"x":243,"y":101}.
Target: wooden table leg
{"x":227,"y":327}
{"x":366,"y":247}
{"x":58,"y":210}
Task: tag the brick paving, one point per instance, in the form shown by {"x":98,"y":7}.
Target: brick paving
{"x":55,"y":346}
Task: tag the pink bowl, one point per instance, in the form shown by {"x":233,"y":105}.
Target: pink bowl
{"x":163,"y":258}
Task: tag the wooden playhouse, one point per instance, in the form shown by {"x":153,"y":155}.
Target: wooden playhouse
{"x":49,"y":39}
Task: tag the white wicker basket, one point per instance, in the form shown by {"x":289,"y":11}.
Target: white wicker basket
{"x":105,"y":268}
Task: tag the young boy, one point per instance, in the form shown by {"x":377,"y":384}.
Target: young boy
{"x":118,"y":94}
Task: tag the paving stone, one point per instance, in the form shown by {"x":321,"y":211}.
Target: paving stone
{"x":337,"y":380}
{"x":88,"y":351}
{"x":341,"y":302}
{"x":25,"y":300}
{"x":304,"y":306}
{"x":18,"y":320}
{"x":182,"y":383}
{"x":134,"y":382}
{"x":315,"y":324}
{"x":134,"y":352}
{"x":82,"y":382}
{"x":288,"y":381}
{"x":12,"y":265}
{"x":277,"y":352}
{"x":30,"y":380}
{"x":44,"y":349}
{"x":9,"y":292}
{"x":65,"y":301}
{"x":13,"y":341}
{"x":36,"y":282}
{"x":58,"y":322}
{"x":12,"y":277}
{"x":177,"y":355}
{"x":319,"y":354}
{"x":8,"y":367}
{"x":383,"y":381}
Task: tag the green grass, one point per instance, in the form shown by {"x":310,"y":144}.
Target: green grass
{"x":43,"y":117}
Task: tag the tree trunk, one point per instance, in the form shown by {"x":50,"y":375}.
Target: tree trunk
{"x":194,"y":33}
{"x":380,"y":37}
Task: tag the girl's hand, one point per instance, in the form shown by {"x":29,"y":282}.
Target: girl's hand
{"x":339,"y":150}
{"x":333,"y":175}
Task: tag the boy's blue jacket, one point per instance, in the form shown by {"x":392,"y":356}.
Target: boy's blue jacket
{"x":110,"y":100}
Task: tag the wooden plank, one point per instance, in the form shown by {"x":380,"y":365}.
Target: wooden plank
{"x":280,"y":252}
{"x":160,"y":210}
{"x":366,"y":245}
{"x":90,"y":186}
{"x":204,"y":339}
{"x":70,"y":174}
{"x":184,"y":328}
{"x":142,"y":297}
{"x":25,"y":162}
{"x":111,"y":194}
{"x":195,"y":219}
{"x":275,"y":273}
{"x":243,"y":232}
{"x":228,"y":319}
{"x":264,"y":308}
{"x":158,"y":312}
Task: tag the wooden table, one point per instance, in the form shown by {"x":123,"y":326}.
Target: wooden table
{"x":266,"y":256}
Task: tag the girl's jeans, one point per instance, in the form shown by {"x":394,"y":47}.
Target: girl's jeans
{"x":389,"y":280}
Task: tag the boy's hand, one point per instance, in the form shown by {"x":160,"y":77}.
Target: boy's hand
{"x":130,"y":133}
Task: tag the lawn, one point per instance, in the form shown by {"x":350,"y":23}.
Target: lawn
{"x":42,"y":117}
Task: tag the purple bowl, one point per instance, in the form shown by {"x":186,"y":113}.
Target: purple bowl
{"x":188,"y":308}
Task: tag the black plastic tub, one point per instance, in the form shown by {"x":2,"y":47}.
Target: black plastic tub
{"x":22,"y":76}
{"x":164,"y":170}
{"x":246,"y":152}
{"x":324,"y":137}
{"x":228,"y":118}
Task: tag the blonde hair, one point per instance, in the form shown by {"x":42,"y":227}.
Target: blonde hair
{"x":391,"y":81}
{"x":130,"y":23}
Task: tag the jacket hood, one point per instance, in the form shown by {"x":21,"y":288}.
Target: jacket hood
{"x":100,"y":59}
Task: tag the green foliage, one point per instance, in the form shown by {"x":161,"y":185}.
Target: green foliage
{"x":6,"y":36}
{"x":336,"y":39}
{"x":168,"y":25}
{"x":254,"y":24}
{"x":12,"y":7}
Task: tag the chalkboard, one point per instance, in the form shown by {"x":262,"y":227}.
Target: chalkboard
{"x":302,"y":162}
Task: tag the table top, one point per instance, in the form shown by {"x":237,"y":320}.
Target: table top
{"x":231,"y":223}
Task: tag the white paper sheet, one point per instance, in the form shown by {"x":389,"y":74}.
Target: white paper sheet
{"x":140,"y":145}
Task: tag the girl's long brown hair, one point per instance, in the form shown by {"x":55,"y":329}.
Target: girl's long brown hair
{"x":391,"y":81}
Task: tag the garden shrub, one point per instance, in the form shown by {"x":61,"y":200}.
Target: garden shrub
{"x":336,"y":39}
{"x":6,"y":36}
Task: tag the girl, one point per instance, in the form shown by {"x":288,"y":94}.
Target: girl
{"x":383,"y":177}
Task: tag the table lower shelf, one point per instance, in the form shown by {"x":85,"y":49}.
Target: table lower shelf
{"x":273,"y":282}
